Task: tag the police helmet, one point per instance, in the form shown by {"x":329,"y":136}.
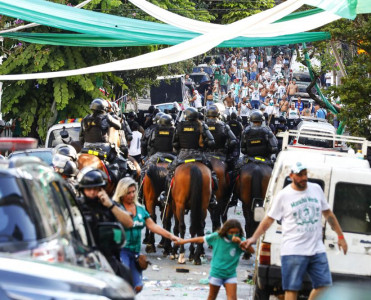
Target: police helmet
{"x":90,"y":177}
{"x":165,"y":120}
{"x":157,"y":117}
{"x":233,"y":115}
{"x":201,"y":116}
{"x":114,"y":107}
{"x":212,"y":112}
{"x":151,"y":109}
{"x":99,"y":105}
{"x":66,"y":150}
{"x":191,"y":114}
{"x":132,"y":115}
{"x":256,"y":116}
{"x":64,"y":166}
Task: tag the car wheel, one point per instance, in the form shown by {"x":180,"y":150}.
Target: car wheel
{"x":261,"y":294}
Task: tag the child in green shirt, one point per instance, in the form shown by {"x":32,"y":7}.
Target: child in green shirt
{"x":226,"y":255}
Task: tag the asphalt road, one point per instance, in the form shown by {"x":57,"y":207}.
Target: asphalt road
{"x":162,"y":280}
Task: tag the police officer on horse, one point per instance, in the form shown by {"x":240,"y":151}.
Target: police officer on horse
{"x":94,"y":134}
{"x":190,"y":138}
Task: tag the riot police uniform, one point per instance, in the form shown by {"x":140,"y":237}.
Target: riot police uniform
{"x":95,"y":213}
{"x":258,"y":140}
{"x":281,"y":127}
{"x":148,"y":132}
{"x":190,"y":137}
{"x":237,"y":129}
{"x":223,"y":135}
{"x":94,"y":134}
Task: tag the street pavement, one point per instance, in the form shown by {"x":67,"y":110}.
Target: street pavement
{"x":162,"y":281}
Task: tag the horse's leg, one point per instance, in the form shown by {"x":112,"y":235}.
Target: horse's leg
{"x":182,"y":229}
{"x":167,"y":226}
{"x":149,"y":193}
{"x":200,"y":247}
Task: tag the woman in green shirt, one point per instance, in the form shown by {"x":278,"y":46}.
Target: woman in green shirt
{"x":127,"y":195}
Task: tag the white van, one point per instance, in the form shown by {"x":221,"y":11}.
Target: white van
{"x":346,"y":182}
{"x":53,"y":137}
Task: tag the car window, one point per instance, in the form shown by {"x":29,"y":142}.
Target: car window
{"x":25,"y":213}
{"x":315,"y":142}
{"x":18,"y":223}
{"x":352,"y":207}
{"x":313,"y":180}
{"x":45,"y":156}
{"x":55,"y":135}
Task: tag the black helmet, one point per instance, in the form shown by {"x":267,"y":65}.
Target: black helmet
{"x":66,"y":150}
{"x":256,"y":116}
{"x":132,"y":115}
{"x":201,"y":116}
{"x":212,"y":112}
{"x":151,"y":109}
{"x":64,"y":166}
{"x":191,"y":114}
{"x":90,"y":177}
{"x":99,"y":105}
{"x":165,"y":120}
{"x":282,"y":119}
{"x":157,"y":117}
{"x":233,"y":115}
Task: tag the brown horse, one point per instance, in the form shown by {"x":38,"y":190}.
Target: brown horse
{"x":154,"y":183}
{"x":89,"y":160}
{"x":191,"y":190}
{"x":252,"y":183}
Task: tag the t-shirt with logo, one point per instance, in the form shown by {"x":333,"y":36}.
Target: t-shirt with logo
{"x":134,"y":234}
{"x":301,"y":215}
{"x":226,"y":256}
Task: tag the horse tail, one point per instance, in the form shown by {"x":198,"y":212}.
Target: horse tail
{"x":157,"y":175}
{"x":195,"y":196}
{"x":256,"y":182}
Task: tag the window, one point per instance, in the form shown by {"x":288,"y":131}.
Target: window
{"x":352,"y":207}
{"x":313,"y":180}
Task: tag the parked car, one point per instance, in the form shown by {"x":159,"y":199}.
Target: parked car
{"x":45,"y":154}
{"x":41,"y":219}
{"x":168,"y":106}
{"x":202,"y":81}
{"x":207,"y":69}
{"x":35,"y":280}
{"x":346,"y":182}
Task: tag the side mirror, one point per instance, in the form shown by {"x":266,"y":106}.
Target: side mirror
{"x":258,"y":209}
{"x":111,"y":235}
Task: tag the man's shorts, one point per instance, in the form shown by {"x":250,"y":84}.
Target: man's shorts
{"x":294,"y":267}
{"x":219,"y":281}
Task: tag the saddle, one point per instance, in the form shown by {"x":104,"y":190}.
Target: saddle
{"x":258,"y":160}
{"x":96,"y":152}
{"x":166,"y":157}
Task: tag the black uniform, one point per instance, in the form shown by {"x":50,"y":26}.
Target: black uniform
{"x":281,"y":127}
{"x":258,"y":141}
{"x":145,"y":139}
{"x":94,"y":213}
{"x":161,"y":139}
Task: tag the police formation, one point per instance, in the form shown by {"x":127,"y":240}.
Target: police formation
{"x":166,"y":138}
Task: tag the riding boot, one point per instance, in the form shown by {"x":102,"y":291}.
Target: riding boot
{"x":215,"y":186}
{"x":233,"y":177}
{"x":164,"y":194}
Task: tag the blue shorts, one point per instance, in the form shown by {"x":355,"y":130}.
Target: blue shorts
{"x":128,"y":259}
{"x":219,"y":281}
{"x":294,"y":267}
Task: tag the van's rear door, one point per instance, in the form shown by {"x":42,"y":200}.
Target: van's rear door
{"x":350,"y":199}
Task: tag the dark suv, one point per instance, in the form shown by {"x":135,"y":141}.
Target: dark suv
{"x":40,"y":218}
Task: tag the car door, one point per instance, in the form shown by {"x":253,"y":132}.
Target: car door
{"x":351,"y":202}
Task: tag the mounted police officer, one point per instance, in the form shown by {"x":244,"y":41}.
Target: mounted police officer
{"x":258,"y":142}
{"x":237,"y":129}
{"x":94,"y":134}
{"x":148,"y":132}
{"x":97,"y":207}
{"x":222,"y":133}
{"x":190,"y":138}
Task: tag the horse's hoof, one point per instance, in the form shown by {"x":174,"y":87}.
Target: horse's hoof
{"x":160,"y":245}
{"x":165,"y":253}
{"x":197,"y":262}
{"x":150,"y":249}
{"x":172,"y":257}
{"x":145,"y":241}
{"x":246,"y":256}
{"x":191,"y":258}
{"x":181,"y":259}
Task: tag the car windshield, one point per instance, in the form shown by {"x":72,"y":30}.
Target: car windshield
{"x":45,"y":156}
{"x":302,"y":77}
{"x":166,"y":107}
{"x":199,"y":78}
{"x":55,"y":136}
{"x":352,"y":207}
{"x":316,"y":142}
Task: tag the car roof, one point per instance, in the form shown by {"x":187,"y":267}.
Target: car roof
{"x":60,"y":126}
{"x":310,"y":125}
